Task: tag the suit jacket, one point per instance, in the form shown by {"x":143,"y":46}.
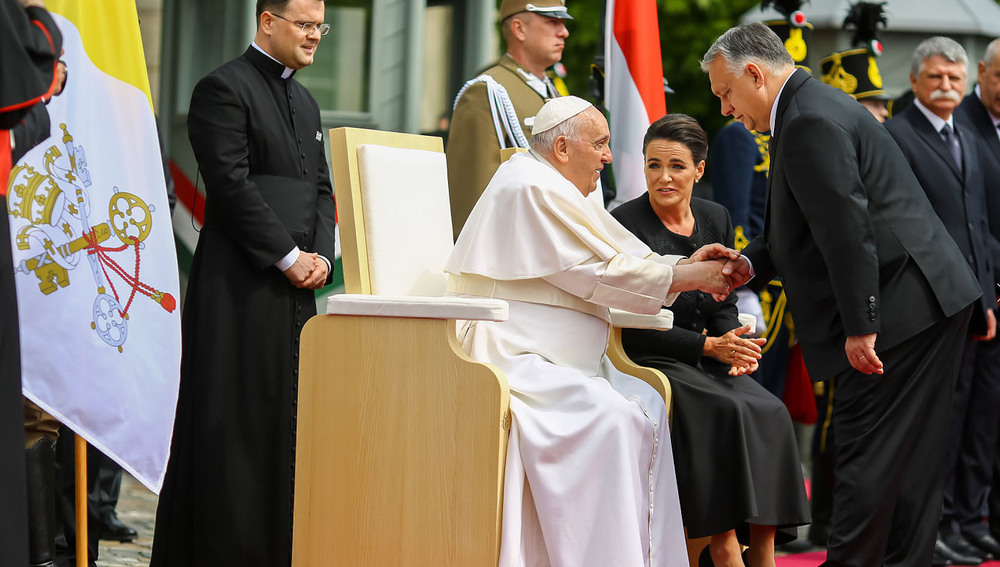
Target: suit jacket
{"x":973,"y":111}
{"x":958,"y":196}
{"x":854,"y":238}
{"x":473,"y":150}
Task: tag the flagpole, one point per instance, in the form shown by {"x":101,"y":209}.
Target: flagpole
{"x":81,"y":502}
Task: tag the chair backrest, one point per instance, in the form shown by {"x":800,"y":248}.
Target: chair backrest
{"x":393,"y":210}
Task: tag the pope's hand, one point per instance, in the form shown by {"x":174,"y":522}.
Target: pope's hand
{"x":714,"y":251}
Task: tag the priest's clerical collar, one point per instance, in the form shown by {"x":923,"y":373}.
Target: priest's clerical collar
{"x":287,"y":70}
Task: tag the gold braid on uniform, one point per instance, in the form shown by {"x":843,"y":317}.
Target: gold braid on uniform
{"x":741,"y":238}
{"x":773,"y":310}
{"x":765,"y":158}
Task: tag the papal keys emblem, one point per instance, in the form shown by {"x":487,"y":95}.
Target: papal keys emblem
{"x":60,"y":233}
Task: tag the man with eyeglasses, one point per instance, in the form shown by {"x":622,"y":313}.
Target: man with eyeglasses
{"x":496,"y":109}
{"x":264,"y":249}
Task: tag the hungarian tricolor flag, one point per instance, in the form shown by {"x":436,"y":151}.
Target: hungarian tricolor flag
{"x":94,"y":258}
{"x":633,"y":88}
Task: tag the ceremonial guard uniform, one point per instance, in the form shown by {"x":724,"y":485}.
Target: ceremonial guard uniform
{"x":498,"y":105}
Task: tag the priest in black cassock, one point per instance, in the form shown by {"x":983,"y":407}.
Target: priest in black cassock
{"x":265,"y":246}
{"x":30,"y":44}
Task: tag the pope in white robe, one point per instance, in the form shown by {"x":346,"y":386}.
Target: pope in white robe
{"x":589,"y":475}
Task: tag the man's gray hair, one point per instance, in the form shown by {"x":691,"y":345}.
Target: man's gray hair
{"x":749,"y":43}
{"x":946,"y":47}
{"x":992,"y":50}
{"x":543,"y":141}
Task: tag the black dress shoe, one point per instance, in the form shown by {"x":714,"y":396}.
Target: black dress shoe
{"x":113,"y":529}
{"x":985,"y":543}
{"x":960,"y":552}
{"x":940,"y":555}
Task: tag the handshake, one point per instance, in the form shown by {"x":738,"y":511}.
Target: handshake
{"x":713,"y":269}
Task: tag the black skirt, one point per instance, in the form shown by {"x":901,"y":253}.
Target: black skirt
{"x":735,"y":454}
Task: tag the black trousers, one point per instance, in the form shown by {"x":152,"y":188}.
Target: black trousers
{"x":972,"y":454}
{"x":892,"y":438}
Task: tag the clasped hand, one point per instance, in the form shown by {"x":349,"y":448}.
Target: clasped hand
{"x":726,"y":269}
{"x":742,"y":355}
{"x":308,"y":272}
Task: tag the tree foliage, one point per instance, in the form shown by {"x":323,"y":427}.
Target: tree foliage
{"x":687,"y":29}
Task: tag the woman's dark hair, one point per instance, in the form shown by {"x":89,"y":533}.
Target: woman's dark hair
{"x":679,"y":128}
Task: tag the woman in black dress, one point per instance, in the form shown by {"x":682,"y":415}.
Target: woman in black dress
{"x":735,"y":452}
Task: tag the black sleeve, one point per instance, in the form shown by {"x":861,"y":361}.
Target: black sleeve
{"x":219,"y":133}
{"x":31,"y":131}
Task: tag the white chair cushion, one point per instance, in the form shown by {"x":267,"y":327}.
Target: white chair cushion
{"x":478,"y":309}
{"x":404,"y":194}
{"x":662,"y":321}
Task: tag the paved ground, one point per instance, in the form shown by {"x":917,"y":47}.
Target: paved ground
{"x":136,"y":508}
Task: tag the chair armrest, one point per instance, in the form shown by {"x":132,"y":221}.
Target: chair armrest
{"x":662,"y":321}
{"x":477,"y":309}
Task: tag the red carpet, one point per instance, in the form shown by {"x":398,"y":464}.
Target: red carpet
{"x":815,"y":558}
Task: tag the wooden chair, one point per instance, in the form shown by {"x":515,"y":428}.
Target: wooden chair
{"x":401,"y":436}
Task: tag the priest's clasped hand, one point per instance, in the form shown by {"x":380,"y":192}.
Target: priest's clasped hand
{"x":308,"y":272}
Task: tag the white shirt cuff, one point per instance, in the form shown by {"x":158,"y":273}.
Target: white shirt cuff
{"x":329,"y":266}
{"x":289,"y":259}
{"x":752,"y":272}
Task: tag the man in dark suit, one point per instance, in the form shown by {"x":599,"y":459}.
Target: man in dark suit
{"x":982,"y":111}
{"x":945,"y":157}
{"x":864,"y":259}
{"x":264,"y":249}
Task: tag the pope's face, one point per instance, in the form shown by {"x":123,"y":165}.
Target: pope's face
{"x":742,"y":95}
{"x":940,"y":85}
{"x":589,"y":151}
{"x":289,"y":44}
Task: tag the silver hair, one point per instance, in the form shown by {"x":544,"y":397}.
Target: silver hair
{"x":946,"y":47}
{"x":543,"y":141}
{"x":749,"y":43}
{"x":992,"y":51}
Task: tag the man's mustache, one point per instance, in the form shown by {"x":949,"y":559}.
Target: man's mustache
{"x":951,"y":95}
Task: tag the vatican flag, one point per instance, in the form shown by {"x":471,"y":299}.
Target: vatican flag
{"x":94,"y":257}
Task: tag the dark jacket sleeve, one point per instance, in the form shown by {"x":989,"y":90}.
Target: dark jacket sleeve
{"x":218,"y":130}
{"x":30,"y":44}
{"x":31,"y":131}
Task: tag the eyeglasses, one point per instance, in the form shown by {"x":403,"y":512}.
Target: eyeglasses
{"x":307,"y":28}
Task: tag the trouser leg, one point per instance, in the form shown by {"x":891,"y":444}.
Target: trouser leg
{"x":976,"y":458}
{"x":891,"y":432}
{"x":40,"y":433}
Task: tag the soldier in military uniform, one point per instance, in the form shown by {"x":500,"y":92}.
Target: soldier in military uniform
{"x":496,"y":109}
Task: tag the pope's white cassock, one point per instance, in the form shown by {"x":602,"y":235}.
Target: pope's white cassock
{"x":589,"y":474}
